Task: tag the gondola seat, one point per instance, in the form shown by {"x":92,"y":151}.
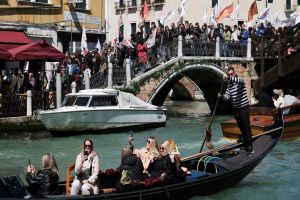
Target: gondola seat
{"x":195,"y":175}
{"x":69,"y":178}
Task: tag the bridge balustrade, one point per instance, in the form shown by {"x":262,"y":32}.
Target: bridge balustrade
{"x":197,"y":47}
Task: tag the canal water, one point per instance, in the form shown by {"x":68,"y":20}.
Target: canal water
{"x":276,"y":177}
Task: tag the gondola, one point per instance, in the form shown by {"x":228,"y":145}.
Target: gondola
{"x":210,"y":171}
{"x":261,"y":119}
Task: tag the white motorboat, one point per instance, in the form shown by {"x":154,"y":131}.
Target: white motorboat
{"x":102,"y":109}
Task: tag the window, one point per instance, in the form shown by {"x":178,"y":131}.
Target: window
{"x":82,"y":101}
{"x":270,"y":1}
{"x":133,"y":28}
{"x":298,"y":2}
{"x":147,"y":27}
{"x":214,"y":2}
{"x":133,"y":3}
{"x":288,"y":4}
{"x":121,"y":3}
{"x":84,"y":5}
{"x":42,"y":1}
{"x":69,"y":101}
{"x":103,"y":101}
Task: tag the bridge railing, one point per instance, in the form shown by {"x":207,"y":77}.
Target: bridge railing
{"x":119,"y":75}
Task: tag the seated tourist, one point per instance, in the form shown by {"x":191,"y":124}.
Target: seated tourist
{"x":164,"y":165}
{"x":148,"y":153}
{"x":44,"y":181}
{"x":86,"y":169}
{"x":131,"y":169}
{"x":282,"y":100}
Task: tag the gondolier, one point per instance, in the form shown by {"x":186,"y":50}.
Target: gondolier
{"x":236,"y":92}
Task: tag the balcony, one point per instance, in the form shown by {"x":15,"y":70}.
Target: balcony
{"x":120,"y":5}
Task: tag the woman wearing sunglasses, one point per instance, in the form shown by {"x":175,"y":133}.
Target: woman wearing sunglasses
{"x":164,"y":165}
{"x":86,"y":169}
{"x":147,"y":153}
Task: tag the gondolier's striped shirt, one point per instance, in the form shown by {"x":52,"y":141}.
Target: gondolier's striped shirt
{"x":236,"y":91}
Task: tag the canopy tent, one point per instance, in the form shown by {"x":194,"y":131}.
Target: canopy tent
{"x":4,"y":54}
{"x":12,"y":39}
{"x":39,"y":50}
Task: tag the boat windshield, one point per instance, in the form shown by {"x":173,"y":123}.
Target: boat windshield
{"x":82,"y":101}
{"x":69,"y":101}
{"x":103,"y":101}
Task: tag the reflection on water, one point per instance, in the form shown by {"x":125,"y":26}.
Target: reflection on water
{"x":276,"y":177}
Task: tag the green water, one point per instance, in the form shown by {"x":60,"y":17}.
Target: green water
{"x":276,"y":177}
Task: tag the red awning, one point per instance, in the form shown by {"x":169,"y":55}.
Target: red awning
{"x":39,"y":50}
{"x":4,"y":54}
{"x":13,"y":39}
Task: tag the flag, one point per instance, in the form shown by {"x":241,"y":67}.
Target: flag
{"x":279,"y":18}
{"x":145,"y":13}
{"x":294,"y":19}
{"x":167,"y":16}
{"x":264,"y":14}
{"x":234,"y":15}
{"x":225,"y":13}
{"x":83,"y":39}
{"x":127,"y":43}
{"x":121,"y":23}
{"x":182,"y":8}
{"x":98,"y":45}
{"x":252,"y":11}
{"x":151,"y":40}
{"x":215,"y":13}
{"x":107,"y":25}
{"x":205,"y":17}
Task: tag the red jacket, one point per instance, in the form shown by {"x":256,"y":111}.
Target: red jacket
{"x":142,"y":53}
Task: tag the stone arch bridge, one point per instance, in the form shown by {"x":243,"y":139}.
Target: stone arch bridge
{"x":205,"y":73}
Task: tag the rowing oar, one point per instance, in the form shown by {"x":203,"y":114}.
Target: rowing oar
{"x":208,"y":129}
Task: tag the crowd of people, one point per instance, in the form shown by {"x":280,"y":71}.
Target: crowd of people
{"x":152,"y":163}
{"x":138,"y":48}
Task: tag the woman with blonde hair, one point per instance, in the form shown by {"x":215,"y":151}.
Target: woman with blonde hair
{"x":44,"y":181}
{"x":86,"y":169}
{"x":147,"y":153}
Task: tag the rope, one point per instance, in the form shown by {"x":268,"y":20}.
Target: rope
{"x":206,"y":159}
{"x":209,"y":159}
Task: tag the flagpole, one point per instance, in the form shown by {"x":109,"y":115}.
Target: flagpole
{"x":72,"y":35}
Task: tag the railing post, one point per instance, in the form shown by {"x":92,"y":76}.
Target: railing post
{"x":29,"y":103}
{"x":110,"y":75}
{"x":249,"y":48}
{"x":86,"y":80}
{"x":128,"y":71}
{"x":218,"y":47}
{"x":73,"y":87}
{"x":180,"y":46}
{"x":58,"y":90}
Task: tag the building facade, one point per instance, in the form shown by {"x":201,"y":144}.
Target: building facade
{"x":58,"y":21}
{"x":195,"y":10}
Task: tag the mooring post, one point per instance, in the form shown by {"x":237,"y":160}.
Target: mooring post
{"x":58,"y":90}
{"x":110,"y":76}
{"x":86,"y":79}
{"x":180,"y":45}
{"x":218,"y":47}
{"x":73,"y":87}
{"x":128,"y":71}
{"x":29,"y":103}
{"x":249,"y":48}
